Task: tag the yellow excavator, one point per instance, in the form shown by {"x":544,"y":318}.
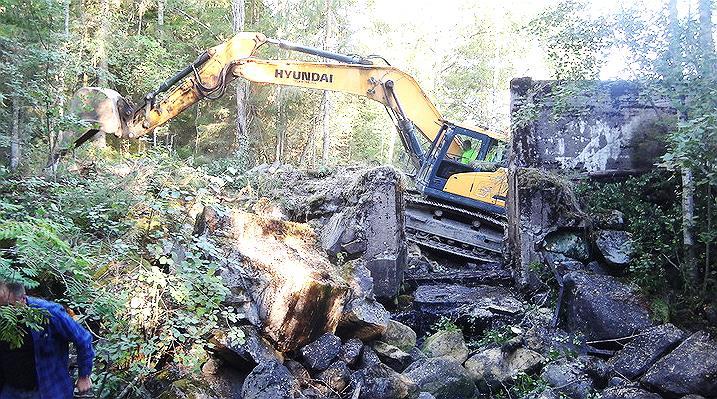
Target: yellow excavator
{"x":459,"y":203}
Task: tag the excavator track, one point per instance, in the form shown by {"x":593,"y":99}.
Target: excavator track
{"x":465,"y":233}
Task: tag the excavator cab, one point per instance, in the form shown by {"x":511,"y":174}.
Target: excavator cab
{"x":480,"y":184}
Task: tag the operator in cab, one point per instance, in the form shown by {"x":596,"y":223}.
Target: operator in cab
{"x":469,"y":153}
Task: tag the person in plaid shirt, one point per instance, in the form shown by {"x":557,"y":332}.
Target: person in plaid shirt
{"x":39,"y":369}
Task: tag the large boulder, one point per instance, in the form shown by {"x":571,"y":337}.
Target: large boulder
{"x":689,"y":369}
{"x":628,"y":393}
{"x":364,"y":319}
{"x":600,"y":307}
{"x":443,"y":377}
{"x":494,"y":367}
{"x":336,"y":377}
{"x":298,"y":293}
{"x":270,"y":381}
{"x":483,"y":305}
{"x":381,"y":382}
{"x":448,"y":343}
{"x":244,"y":348}
{"x":371,"y":227}
{"x":567,"y":244}
{"x":399,"y":335}
{"x":319,"y":354}
{"x":568,"y":378}
{"x":615,"y":246}
{"x":351,"y":351}
{"x":392,"y":356}
{"x":644,"y":350}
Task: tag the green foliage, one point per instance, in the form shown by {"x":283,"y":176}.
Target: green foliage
{"x":118,"y":248}
{"x":524,"y":386}
{"x":496,"y":336}
{"x":18,"y":320}
{"x":575,"y":42}
{"x":652,"y":215}
{"x":445,"y":324}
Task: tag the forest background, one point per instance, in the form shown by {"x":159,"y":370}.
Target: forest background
{"x":99,"y":237}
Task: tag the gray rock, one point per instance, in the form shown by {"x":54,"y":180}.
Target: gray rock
{"x":483,"y":305}
{"x":244,"y":352}
{"x":568,"y":378}
{"x":351,"y":351}
{"x":417,"y":354}
{"x":425,"y":395}
{"x":645,"y":349}
{"x":689,"y":369}
{"x":298,"y":371}
{"x":336,"y":377}
{"x":628,"y":393}
{"x":617,"y":382}
{"x":371,"y":227}
{"x":446,"y":343}
{"x":399,"y":335}
{"x":548,"y":394}
{"x":365,"y":319}
{"x":381,"y":382}
{"x":368,"y":357}
{"x":494,"y":367}
{"x":443,"y":377}
{"x":692,"y":397}
{"x":568,"y":244}
{"x":270,"y":381}
{"x":392,"y":356}
{"x":319,"y":354}
{"x":615,"y":246}
{"x":596,"y":368}
{"x":601,"y":307}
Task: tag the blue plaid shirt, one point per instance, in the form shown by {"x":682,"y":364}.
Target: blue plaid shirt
{"x":52,"y":351}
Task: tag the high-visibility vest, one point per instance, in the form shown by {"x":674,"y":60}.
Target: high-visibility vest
{"x":468,"y":156}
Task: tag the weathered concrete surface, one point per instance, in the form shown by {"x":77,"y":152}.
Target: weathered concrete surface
{"x":561,"y":130}
{"x":372,"y":227}
{"x":297,"y":293}
{"x":589,"y":126}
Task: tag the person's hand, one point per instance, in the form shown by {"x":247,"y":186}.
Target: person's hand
{"x":83,"y":384}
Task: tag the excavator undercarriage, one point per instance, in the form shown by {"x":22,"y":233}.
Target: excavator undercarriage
{"x":439,"y":226}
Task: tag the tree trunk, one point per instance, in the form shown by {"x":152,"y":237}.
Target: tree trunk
{"x":280,"y":126}
{"x":241,"y":137}
{"x":325,"y":108}
{"x":708,"y":57}
{"x":391,"y":147}
{"x":326,"y":132}
{"x":100,"y":140}
{"x":497,"y":20}
{"x":15,"y":135}
{"x":66,"y":11}
{"x":160,"y":18}
{"x":706,"y":39}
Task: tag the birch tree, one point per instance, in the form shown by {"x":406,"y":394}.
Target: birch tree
{"x":241,"y":137}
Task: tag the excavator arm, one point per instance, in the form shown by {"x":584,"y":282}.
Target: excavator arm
{"x":208,"y":76}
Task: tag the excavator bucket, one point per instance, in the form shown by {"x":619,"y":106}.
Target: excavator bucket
{"x":96,"y":110}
